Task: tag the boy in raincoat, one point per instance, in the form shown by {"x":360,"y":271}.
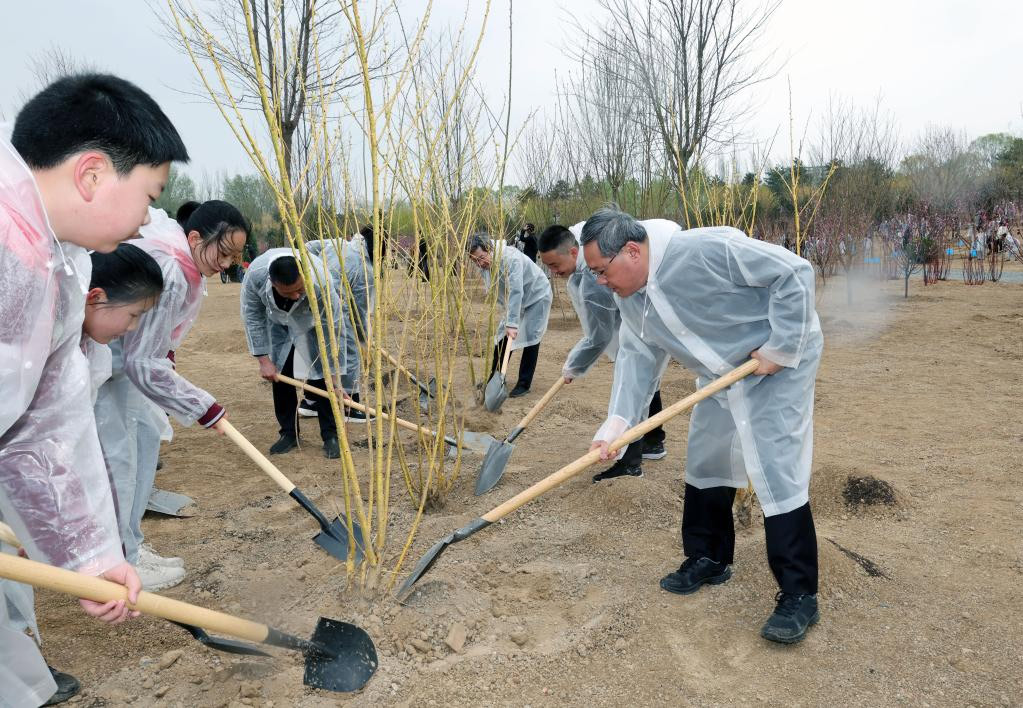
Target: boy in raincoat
{"x":87,"y":156}
{"x":712,"y":298}
{"x":524,"y":298}
{"x":598,"y":314}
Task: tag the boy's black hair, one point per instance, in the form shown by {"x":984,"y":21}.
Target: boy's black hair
{"x":284,"y":270}
{"x":95,"y":112}
{"x":215,"y":221}
{"x":554,"y":238}
{"x":127,"y":274}
{"x":367,"y":236}
{"x":184,"y":211}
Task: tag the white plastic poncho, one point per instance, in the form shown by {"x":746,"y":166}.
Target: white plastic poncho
{"x":350,"y":270}
{"x":54,"y":491}
{"x":271,"y":331}
{"x":524,"y":295}
{"x":712,"y":297}
{"x":144,"y":386}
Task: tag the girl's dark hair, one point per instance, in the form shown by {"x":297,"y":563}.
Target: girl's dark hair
{"x":184,"y":211}
{"x":215,"y":221}
{"x":127,"y":274}
{"x":367,"y":236}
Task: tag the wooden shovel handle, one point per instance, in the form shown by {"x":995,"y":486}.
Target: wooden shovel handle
{"x":369,"y":410}
{"x":631,"y":435}
{"x":89,"y":587}
{"x":535,"y":410}
{"x":8,"y":536}
{"x":507,"y":355}
{"x":255,"y":455}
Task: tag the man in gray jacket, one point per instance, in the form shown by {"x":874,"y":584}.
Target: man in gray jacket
{"x":278,"y":319}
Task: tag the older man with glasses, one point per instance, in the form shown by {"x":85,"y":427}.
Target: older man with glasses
{"x":712,"y":298}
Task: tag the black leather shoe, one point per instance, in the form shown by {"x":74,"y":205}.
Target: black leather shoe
{"x":519,"y":390}
{"x":619,"y":469}
{"x":283,"y":445}
{"x":331,"y":449}
{"x":793,"y":615}
{"x":695,"y":573}
{"x":67,"y":687}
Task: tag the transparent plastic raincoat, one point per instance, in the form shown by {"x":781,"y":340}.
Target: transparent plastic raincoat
{"x":271,"y":331}
{"x":598,"y":315}
{"x":713,"y":296}
{"x":131,"y":405}
{"x":350,"y":265}
{"x":54,"y":490}
{"x":524,"y":295}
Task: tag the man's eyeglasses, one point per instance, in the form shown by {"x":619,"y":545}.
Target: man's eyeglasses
{"x":603,"y":271}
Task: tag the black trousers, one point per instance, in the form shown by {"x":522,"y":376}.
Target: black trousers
{"x":634,"y":452}
{"x":527,"y":367}
{"x":286,"y":402}
{"x":707,"y":532}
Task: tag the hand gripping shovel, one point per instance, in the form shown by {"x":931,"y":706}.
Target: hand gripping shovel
{"x":570,"y":470}
{"x":333,"y":536}
{"x":495,"y":394}
{"x":339,"y":657}
{"x":497,"y":456}
{"x":470,"y":441}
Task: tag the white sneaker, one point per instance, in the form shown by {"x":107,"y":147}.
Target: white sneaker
{"x":158,"y":577}
{"x":148,"y":555}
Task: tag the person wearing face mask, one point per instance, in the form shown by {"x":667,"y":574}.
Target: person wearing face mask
{"x":712,"y":298}
{"x":144,"y":373}
{"x":279,"y":323}
{"x":86,"y":157}
{"x":598,"y":314}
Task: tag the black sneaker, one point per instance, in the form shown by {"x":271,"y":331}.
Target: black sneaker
{"x":654,"y":451}
{"x":67,"y":687}
{"x":519,"y":390}
{"x":307,"y":409}
{"x":619,"y":469}
{"x":792,"y":617}
{"x":285,"y":444}
{"x":331,"y":449}
{"x":695,"y":573}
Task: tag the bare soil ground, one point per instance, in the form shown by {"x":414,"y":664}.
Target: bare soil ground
{"x":916,"y":492}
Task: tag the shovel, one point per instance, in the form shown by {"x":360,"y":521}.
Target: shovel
{"x":333,"y":536}
{"x":497,"y":455}
{"x":339,"y":657}
{"x":496,"y":393}
{"x":474,"y":443}
{"x":7,"y":536}
{"x":570,"y":470}
{"x":427,"y":391}
{"x":170,"y":503}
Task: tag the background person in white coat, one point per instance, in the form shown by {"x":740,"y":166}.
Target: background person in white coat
{"x":598,"y":314}
{"x":278,"y":321}
{"x":524,"y":299}
{"x":711,"y":298}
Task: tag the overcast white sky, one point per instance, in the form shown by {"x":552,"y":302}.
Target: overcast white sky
{"x":947,"y":62}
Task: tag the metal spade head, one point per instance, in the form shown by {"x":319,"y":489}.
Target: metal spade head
{"x":334,"y":539}
{"x":229,"y":646}
{"x":170,"y":503}
{"x":493,"y":466}
{"x":495,"y":393}
{"x":342,"y":657}
{"x":477,"y":442}
{"x":427,"y":393}
{"x":431,"y":556}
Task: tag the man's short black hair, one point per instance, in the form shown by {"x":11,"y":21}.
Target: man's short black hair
{"x":95,"y":112}
{"x":284,"y":270}
{"x":556,"y":238}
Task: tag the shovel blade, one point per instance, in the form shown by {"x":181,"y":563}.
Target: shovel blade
{"x":229,"y":646}
{"x":171,"y":503}
{"x":479,"y":443}
{"x":352,"y":660}
{"x":495,"y":393}
{"x":334,"y":540}
{"x":431,"y":556}
{"x":493,"y":466}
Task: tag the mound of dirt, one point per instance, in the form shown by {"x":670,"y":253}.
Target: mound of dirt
{"x":868,"y":491}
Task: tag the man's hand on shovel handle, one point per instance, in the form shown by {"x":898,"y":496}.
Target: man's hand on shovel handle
{"x":267,"y":369}
{"x":767,"y":367}
{"x":602,"y":446}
